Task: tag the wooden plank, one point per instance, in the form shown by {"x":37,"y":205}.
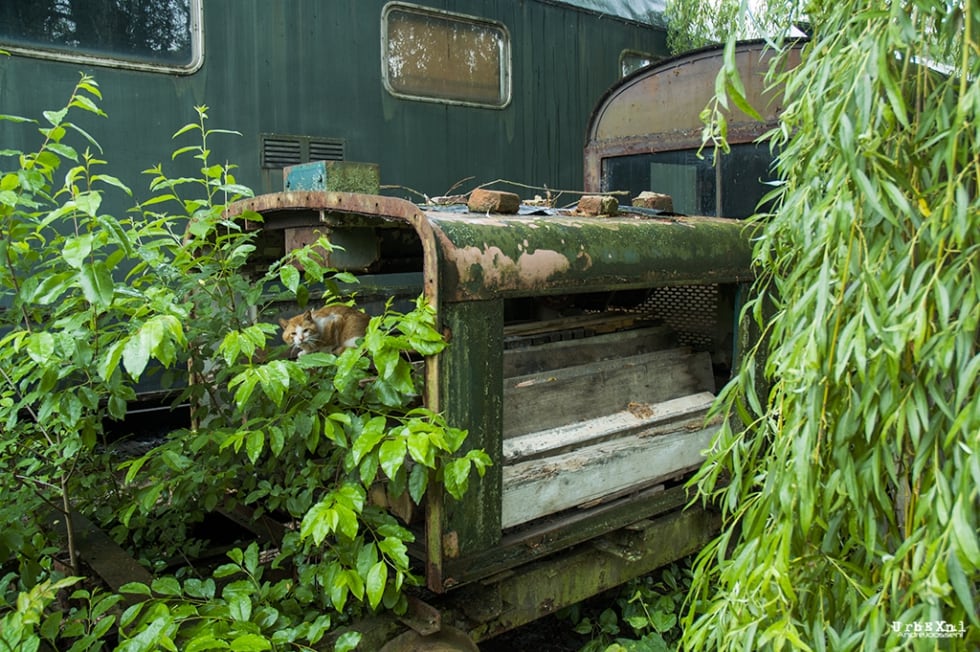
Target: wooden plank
{"x":599,"y":322}
{"x":640,"y":419}
{"x":540,"y":487}
{"x":539,"y":589}
{"x":555,"y":355}
{"x":554,"y":398}
{"x":550,"y":535}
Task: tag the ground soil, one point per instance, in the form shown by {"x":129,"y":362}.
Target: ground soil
{"x":549,"y":634}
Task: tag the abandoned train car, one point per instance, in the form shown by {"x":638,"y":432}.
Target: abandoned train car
{"x":585,"y":351}
{"x":435,"y":92}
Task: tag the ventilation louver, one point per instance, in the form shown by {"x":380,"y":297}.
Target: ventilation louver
{"x":280,"y":151}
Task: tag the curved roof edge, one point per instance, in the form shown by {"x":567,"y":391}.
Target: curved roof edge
{"x":648,"y":12}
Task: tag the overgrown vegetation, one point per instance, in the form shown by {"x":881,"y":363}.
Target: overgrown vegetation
{"x":693,"y":25}
{"x":93,"y":305}
{"x":643,"y":617}
{"x":849,"y":471}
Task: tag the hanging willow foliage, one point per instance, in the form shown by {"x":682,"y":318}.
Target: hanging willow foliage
{"x":849,"y":471}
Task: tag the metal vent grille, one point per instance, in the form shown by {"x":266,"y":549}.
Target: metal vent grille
{"x":691,"y":310}
{"x":280,"y":151}
{"x":327,"y":150}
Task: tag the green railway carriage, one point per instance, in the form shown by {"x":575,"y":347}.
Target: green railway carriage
{"x":435,"y":92}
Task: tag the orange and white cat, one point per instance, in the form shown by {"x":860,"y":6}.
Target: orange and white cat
{"x":331,"y":329}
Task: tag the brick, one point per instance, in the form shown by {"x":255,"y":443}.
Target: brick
{"x":493,"y":201}
{"x":597,"y":205}
{"x":655,"y":200}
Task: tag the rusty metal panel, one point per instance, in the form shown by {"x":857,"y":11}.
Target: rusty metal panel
{"x":497,"y":256}
{"x":471,"y":263}
{"x":473,"y":257}
{"x":658,"y":108}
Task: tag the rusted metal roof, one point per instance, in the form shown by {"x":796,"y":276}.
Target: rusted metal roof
{"x":473,"y":256}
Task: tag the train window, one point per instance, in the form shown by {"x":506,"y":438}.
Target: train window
{"x":445,"y":57}
{"x":162,"y":35}
{"x":632,"y":60}
{"x":733,"y":189}
{"x":688,"y":179}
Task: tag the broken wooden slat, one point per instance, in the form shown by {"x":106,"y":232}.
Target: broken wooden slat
{"x":537,"y":488}
{"x":554,"y":355}
{"x":559,"y":397}
{"x":643,"y":419}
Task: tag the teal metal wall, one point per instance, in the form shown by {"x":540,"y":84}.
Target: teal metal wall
{"x":313,"y":68}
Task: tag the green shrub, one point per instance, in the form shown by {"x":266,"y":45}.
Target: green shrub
{"x":94,"y":305}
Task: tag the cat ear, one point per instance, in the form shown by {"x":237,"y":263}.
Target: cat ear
{"x":283,"y":322}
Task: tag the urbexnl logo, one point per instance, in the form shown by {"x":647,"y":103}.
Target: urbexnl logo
{"x":929,"y":629}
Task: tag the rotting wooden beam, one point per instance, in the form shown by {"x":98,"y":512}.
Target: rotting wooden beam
{"x":543,"y":587}
{"x":104,"y":556}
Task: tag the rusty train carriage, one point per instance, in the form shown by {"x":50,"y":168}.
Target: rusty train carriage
{"x":584,"y":352}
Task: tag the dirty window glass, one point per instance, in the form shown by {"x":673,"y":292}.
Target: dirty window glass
{"x":631,"y":60}
{"x":150,"y":32}
{"x":439,"y":56}
{"x":745,"y":176}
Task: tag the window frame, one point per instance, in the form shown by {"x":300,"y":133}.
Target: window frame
{"x":506,"y":86}
{"x":196,"y":26}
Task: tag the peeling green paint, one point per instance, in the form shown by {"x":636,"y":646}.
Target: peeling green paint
{"x":534,"y":255}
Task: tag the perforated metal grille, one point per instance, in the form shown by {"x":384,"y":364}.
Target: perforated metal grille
{"x":691,"y":310}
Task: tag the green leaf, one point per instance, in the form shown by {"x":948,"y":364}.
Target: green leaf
{"x":965,"y":534}
{"x":166,"y":586}
{"x":254,"y":443}
{"x":392,"y":456}
{"x":375,"y":583}
{"x":55,"y":118}
{"x":250,"y":643}
{"x":53,"y":287}
{"x":418,"y":482}
{"x":347,"y":642}
{"x":86,"y":104}
{"x":97,"y":285}
{"x":40,"y":346}
{"x":319,"y":522}
{"x":289,"y":276}
{"x":136,"y":588}
{"x":77,"y":249}
{"x":456,"y":477}
{"x":136,"y":355}
{"x":239,"y":606}
{"x":372,"y":433}
{"x":205,"y":641}
{"x":88,"y":202}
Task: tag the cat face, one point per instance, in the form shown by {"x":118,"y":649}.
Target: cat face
{"x":300,"y":332}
